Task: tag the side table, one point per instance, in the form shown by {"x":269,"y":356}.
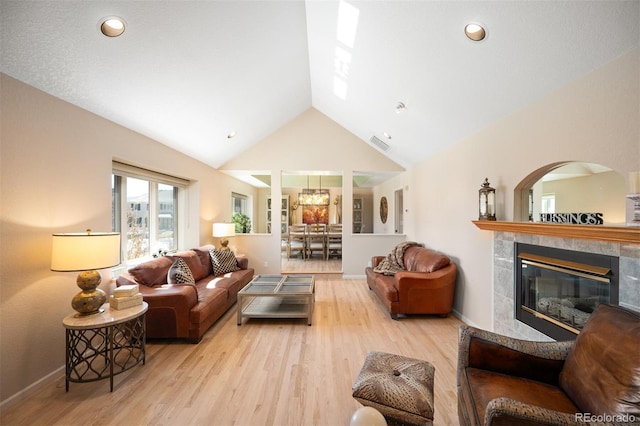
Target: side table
{"x":104,"y":345}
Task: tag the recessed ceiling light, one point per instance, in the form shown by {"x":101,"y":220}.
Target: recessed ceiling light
{"x":400,"y":107}
{"x":112,"y":26}
{"x":475,"y":32}
{"x":231,"y":135}
{"x":386,"y":135}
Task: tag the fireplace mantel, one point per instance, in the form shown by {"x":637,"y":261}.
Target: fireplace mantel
{"x":618,"y":234}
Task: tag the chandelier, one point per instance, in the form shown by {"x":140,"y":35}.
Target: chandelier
{"x":314,"y":197}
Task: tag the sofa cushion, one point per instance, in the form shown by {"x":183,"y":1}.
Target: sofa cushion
{"x":223,"y":261}
{"x":205,"y":259}
{"x":194,"y":263}
{"x":605,"y":356}
{"x":232,"y":282}
{"x":210,"y":302}
{"x":152,"y":273}
{"x":419,"y":259}
{"x":486,"y":386}
{"x":179,"y":273}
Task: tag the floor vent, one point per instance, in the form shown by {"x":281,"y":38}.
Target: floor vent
{"x":379,"y":143}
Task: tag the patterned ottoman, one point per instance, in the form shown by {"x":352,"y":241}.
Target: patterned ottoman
{"x":400,"y":388}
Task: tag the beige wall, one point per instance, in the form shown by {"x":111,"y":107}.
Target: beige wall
{"x":56,"y":164}
{"x":313,"y":142}
{"x":55,"y":177}
{"x":593,"y":119}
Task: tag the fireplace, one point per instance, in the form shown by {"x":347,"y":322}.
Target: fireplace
{"x":556,"y":289}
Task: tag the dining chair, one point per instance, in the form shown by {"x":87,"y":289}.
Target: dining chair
{"x":316,"y":239}
{"x":297,"y":240}
{"x":334,"y":240}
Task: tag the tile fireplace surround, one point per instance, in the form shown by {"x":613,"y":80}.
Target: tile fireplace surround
{"x":504,"y":321}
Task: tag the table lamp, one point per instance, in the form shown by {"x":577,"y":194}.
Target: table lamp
{"x":223,"y":231}
{"x":86,"y":252}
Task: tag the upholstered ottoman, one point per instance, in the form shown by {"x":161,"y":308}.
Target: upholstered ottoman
{"x":400,"y":388}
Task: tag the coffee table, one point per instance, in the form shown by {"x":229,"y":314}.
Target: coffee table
{"x":278,"y":296}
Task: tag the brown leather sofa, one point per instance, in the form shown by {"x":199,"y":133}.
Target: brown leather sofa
{"x":180,"y":310}
{"x":592,"y":380}
{"x":426,"y":286}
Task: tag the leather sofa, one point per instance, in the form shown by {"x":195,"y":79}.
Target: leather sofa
{"x":425,"y":286}
{"x":186,"y":310}
{"x":592,"y":380}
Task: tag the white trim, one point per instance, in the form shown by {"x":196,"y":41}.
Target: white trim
{"x":122,"y":169}
{"x":464,"y":319}
{"x":32,"y":388}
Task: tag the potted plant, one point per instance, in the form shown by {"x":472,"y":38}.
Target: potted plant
{"x":243,"y":223}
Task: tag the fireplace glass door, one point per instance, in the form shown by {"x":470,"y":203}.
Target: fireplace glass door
{"x":563,"y":295}
{"x":560,"y":293}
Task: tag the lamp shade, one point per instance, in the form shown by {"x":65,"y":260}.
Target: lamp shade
{"x":224,"y":229}
{"x":85,"y":251}
{"x":314,"y":197}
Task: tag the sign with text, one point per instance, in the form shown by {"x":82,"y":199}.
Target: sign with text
{"x":572,"y":218}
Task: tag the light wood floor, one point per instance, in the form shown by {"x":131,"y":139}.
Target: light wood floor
{"x":265,"y":372}
{"x":315,"y":265}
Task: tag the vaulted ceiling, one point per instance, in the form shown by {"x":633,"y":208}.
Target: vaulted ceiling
{"x":188,"y":73}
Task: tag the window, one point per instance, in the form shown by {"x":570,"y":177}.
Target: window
{"x":548,"y":203}
{"x":241,"y":212}
{"x":146,"y":209}
{"x":240,"y":203}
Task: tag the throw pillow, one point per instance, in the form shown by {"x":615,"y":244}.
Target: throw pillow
{"x":179,"y":273}
{"x":223,"y":261}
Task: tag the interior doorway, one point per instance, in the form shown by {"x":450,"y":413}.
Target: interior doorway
{"x":315,"y":211}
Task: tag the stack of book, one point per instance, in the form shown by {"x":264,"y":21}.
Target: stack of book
{"x":124,"y":297}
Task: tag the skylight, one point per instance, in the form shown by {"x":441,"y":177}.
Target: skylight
{"x":345,"y":34}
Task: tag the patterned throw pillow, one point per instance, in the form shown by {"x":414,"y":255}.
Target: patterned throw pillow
{"x":223,"y":261}
{"x":179,"y":273}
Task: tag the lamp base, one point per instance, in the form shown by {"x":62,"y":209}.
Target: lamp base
{"x":88,"y":314}
{"x":91,"y":298}
{"x":224,"y":244}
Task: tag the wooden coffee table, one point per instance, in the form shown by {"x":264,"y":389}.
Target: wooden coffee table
{"x":277,"y":296}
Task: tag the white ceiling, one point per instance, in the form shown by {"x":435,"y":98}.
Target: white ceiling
{"x":187,"y":73}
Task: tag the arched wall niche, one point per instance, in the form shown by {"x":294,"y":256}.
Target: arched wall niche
{"x":607,"y":190}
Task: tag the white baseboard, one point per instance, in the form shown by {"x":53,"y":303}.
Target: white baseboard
{"x":464,"y":319}
{"x":32,"y":388}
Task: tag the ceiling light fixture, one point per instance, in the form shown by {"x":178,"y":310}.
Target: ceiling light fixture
{"x":386,"y":135}
{"x":475,"y":32}
{"x":400,"y":107}
{"x":112,"y":26}
{"x":231,"y":135}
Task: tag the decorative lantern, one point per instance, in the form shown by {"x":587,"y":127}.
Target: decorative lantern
{"x":487,"y":198}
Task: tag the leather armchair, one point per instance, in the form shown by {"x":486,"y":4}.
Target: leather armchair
{"x":506,"y":381}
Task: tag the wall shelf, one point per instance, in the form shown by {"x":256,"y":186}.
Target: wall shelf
{"x":617,"y":234}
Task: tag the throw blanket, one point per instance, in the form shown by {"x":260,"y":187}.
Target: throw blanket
{"x":394,"y":261}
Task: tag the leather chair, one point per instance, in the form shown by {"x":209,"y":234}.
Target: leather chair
{"x":506,"y":381}
{"x":426,"y":285}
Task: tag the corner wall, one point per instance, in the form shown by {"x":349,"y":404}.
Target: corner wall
{"x":55,"y":169}
{"x":593,"y":119}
